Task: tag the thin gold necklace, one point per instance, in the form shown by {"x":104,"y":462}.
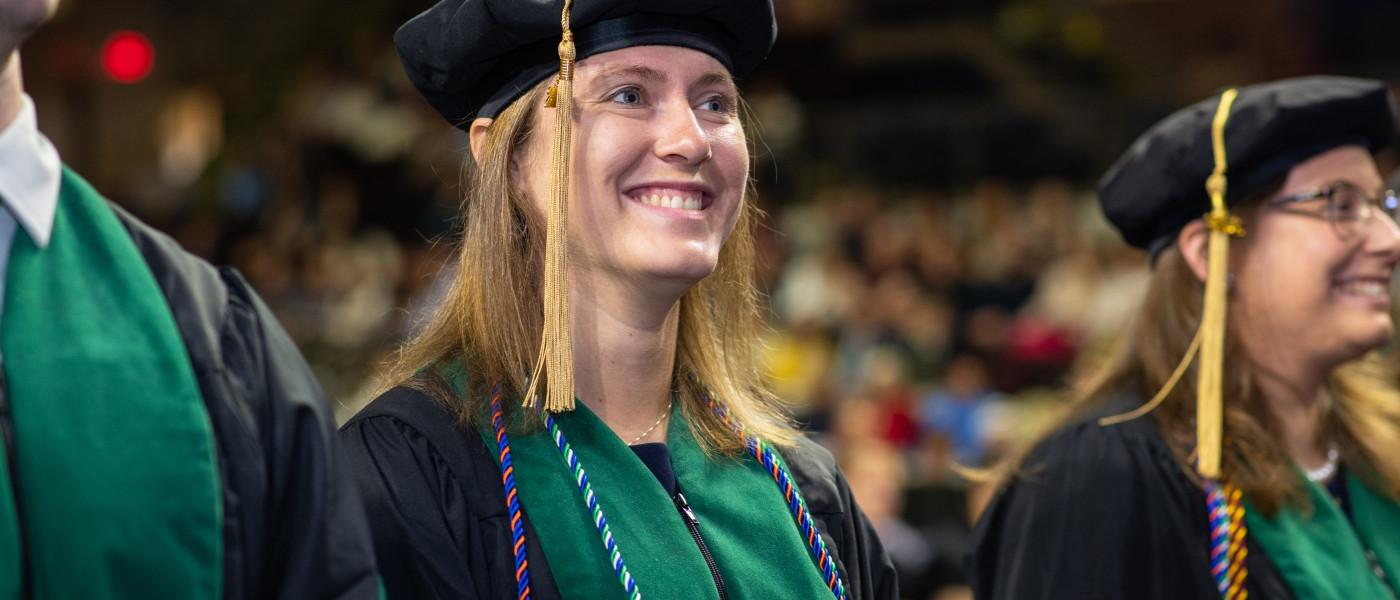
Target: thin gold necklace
{"x":659,"y":419}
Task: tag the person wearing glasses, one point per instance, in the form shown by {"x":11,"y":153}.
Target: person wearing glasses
{"x":1244,"y":439}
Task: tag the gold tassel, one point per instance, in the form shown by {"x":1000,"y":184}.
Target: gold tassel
{"x":1209,"y":404}
{"x":1209,"y":342}
{"x":556,"y":360}
{"x":1162,"y":393}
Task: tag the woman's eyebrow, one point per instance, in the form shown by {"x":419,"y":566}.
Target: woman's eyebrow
{"x":1375,"y":190}
{"x":641,"y":72}
{"x":716,"y":78}
{"x":651,"y":75}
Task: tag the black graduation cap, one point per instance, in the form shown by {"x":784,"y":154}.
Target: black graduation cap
{"x":1195,"y":163}
{"x":472,"y":58}
{"x":1158,"y":185}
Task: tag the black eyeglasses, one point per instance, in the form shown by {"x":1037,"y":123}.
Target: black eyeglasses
{"x":1348,"y":208}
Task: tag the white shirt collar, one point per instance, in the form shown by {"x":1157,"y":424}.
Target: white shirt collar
{"x":30,"y":173}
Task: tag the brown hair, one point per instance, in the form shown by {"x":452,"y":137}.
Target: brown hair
{"x":491,"y":317}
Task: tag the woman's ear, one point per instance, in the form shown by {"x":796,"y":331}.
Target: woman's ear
{"x":1194,"y":244}
{"x":476,"y":135}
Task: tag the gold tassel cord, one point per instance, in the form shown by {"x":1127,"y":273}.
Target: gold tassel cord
{"x":1209,"y":342}
{"x":1209,"y":404}
{"x":1162,"y":393}
{"x":555,"y":360}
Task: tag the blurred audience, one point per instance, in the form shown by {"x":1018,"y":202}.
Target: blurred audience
{"x":921,"y":333}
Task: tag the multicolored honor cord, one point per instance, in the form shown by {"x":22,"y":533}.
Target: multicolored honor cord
{"x":517,"y":531}
{"x":629,"y":585}
{"x":796,"y":505}
{"x":517,"y":528}
{"x":1227,"y":539}
{"x":760,"y":451}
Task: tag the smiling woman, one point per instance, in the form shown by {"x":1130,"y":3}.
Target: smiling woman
{"x":583,"y":417}
{"x":659,"y":173}
{"x":1264,"y":466}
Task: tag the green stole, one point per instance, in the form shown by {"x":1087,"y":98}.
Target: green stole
{"x":743,"y":517}
{"x":1322,"y":555}
{"x":117,"y":487}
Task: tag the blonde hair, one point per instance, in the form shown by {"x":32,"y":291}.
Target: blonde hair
{"x":1363,"y":419}
{"x":491,"y":317}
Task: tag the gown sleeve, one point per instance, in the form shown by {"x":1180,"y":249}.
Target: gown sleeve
{"x":437,"y":513}
{"x":864,"y":547}
{"x":866,"y":568}
{"x":1094,"y":513}
{"x":316,"y":544}
{"x":419,"y":543}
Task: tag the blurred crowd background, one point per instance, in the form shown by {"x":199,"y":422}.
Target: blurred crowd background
{"x":937,"y":267}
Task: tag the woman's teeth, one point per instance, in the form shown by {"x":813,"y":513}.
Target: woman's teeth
{"x":1374,"y":289}
{"x":665,"y":201}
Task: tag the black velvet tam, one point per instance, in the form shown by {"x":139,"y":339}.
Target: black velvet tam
{"x":472,"y":58}
{"x":1158,"y":185}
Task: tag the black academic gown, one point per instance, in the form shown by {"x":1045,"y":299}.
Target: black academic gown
{"x":438,"y":514}
{"x":1099,"y":513}
{"x":293,"y":523}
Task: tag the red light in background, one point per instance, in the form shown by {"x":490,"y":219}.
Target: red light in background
{"x":128,"y":56}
